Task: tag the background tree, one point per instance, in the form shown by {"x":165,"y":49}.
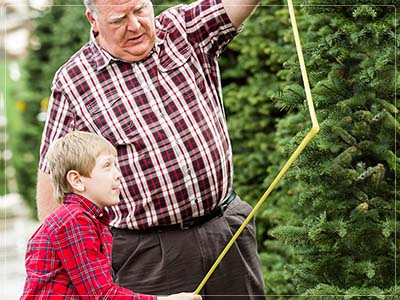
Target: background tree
{"x":253,"y":69}
{"x":345,"y":236}
{"x":60,"y":31}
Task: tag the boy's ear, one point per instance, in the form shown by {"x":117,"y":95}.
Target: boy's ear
{"x":75,"y":181}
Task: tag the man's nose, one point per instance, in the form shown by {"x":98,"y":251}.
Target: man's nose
{"x":133,"y":22}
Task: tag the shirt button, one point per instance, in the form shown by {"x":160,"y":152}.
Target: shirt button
{"x":189,"y":172}
{"x":100,"y":215}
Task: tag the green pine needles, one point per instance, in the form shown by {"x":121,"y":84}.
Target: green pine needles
{"x":344,"y":238}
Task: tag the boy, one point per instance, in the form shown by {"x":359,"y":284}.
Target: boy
{"x":69,"y":256}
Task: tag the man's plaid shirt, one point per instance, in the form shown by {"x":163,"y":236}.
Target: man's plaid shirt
{"x":164,"y":115}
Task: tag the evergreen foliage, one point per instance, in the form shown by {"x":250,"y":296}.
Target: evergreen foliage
{"x":6,"y":92}
{"x":345,"y":237}
{"x":252,"y":71}
{"x":60,"y":31}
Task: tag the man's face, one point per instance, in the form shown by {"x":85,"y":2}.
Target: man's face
{"x":126,"y":28}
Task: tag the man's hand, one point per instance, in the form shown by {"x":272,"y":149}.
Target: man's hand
{"x":181,"y":296}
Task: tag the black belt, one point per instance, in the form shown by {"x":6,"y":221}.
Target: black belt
{"x":216,"y":212}
{"x":193,"y":222}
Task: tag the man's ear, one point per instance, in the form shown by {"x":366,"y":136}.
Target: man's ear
{"x":75,"y":181}
{"x":92,"y":20}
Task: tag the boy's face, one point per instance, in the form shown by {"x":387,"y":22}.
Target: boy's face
{"x":102,"y":188}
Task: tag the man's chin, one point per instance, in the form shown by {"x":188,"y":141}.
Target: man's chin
{"x":134,"y":56}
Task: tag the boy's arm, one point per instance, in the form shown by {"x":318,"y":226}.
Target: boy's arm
{"x":45,"y":201}
{"x":79,"y":248}
{"x":181,"y":296}
{"x":78,"y":245}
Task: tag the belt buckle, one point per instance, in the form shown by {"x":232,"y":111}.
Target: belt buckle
{"x":227,"y":201}
{"x":185,"y":226}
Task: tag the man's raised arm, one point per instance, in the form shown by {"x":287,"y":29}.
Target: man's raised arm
{"x":239,"y":10}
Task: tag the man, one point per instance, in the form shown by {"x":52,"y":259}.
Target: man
{"x":151,"y":86}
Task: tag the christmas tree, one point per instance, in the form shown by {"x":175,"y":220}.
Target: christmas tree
{"x":345,"y":237}
{"x":60,"y":30}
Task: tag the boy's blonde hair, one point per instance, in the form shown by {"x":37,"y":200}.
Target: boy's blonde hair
{"x":77,"y":151}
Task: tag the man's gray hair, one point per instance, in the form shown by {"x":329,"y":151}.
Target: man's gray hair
{"x":91,"y":5}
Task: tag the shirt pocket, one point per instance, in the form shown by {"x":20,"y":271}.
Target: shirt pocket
{"x":179,"y":65}
{"x":112,"y":118}
{"x":173,"y":55}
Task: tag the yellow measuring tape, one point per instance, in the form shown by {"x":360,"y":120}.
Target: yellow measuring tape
{"x":314,"y":130}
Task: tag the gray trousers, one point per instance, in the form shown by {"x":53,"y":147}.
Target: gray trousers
{"x":172,"y":261}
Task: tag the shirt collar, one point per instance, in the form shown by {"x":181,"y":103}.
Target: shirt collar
{"x":102,"y":58}
{"x":92,"y":209}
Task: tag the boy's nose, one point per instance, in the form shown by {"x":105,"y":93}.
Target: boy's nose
{"x":117,"y":173}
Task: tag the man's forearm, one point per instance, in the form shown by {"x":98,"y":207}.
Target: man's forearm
{"x":45,"y":201}
{"x":239,"y":10}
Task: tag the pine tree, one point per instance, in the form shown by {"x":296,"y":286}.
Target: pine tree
{"x":252,"y":70}
{"x":345,"y":236}
{"x":60,"y":31}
